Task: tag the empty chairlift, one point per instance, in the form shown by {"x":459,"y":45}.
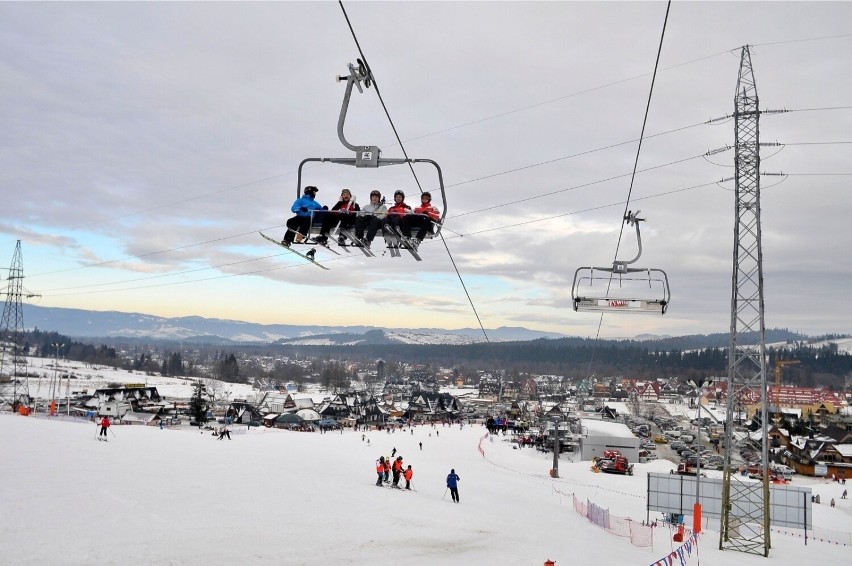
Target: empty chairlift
{"x":621,"y":288}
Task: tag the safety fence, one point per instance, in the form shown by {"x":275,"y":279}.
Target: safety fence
{"x":596,"y":487}
{"x":819,"y":534}
{"x":639,"y":534}
{"x":680,"y":554}
{"x":61,"y":417}
{"x":828,"y":535}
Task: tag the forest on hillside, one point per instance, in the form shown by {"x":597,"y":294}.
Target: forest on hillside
{"x":571,"y":357}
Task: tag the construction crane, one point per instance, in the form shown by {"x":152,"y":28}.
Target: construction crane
{"x":779,"y":364}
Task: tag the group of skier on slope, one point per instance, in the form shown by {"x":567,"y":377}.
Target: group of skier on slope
{"x":385,"y":468}
{"x":400,"y":218}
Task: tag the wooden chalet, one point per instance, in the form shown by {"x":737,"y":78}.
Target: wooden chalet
{"x":818,"y":455}
{"x":358,"y":405}
{"x":428,"y":406}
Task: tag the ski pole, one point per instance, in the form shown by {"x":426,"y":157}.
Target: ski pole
{"x":110,"y":429}
{"x":445,"y":493}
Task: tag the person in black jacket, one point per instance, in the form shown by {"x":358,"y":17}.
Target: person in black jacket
{"x":343,"y":213}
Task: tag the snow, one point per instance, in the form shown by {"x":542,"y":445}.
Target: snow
{"x":181,"y":497}
{"x":606,"y":428}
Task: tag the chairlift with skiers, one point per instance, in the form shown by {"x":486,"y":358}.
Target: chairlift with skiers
{"x":369,"y":156}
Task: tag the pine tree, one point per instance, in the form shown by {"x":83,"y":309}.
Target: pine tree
{"x":197,"y":405}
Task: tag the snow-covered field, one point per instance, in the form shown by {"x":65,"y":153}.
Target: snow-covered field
{"x":181,"y":497}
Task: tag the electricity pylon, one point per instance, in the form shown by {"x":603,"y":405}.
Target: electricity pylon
{"x":15,"y":391}
{"x":745,"y":503}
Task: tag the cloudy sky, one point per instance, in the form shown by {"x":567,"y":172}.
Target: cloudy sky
{"x":143,"y":145}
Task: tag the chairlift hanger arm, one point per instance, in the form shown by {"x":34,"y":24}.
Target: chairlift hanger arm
{"x":621,"y":266}
{"x":356,"y":75}
{"x":368,"y":156}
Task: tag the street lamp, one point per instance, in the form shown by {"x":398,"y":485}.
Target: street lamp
{"x":56,"y":384}
{"x":698,"y":385}
{"x":555,"y":473}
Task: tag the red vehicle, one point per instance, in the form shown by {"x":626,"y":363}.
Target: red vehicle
{"x":617,"y":465}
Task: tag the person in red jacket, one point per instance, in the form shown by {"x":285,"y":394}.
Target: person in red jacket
{"x":424,"y":216}
{"x":104,"y":426}
{"x":387,"y":468}
{"x":396,"y":470}
{"x":408,"y":474}
{"x":342,"y":213}
{"x":380,"y":470}
{"x":396,"y":213}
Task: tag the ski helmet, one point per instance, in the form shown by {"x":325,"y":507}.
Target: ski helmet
{"x":310,"y":189}
{"x":399,"y":192}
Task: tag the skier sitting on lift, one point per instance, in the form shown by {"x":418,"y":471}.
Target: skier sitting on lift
{"x":301,"y":223}
{"x":370,"y":217}
{"x":343,"y":213}
{"x":396,"y":213}
{"x":422,"y":219}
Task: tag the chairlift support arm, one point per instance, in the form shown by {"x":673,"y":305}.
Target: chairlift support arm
{"x":621,"y":266}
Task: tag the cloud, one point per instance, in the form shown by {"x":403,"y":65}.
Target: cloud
{"x":158,"y":138}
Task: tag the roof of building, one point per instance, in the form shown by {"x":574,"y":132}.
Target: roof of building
{"x":606,"y":428}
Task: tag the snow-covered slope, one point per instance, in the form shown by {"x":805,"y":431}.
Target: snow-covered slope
{"x":183,"y":498}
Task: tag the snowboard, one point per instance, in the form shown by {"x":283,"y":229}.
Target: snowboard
{"x":290,"y":249}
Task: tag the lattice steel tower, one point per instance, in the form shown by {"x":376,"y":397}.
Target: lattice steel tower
{"x":11,"y":338}
{"x":745,"y":503}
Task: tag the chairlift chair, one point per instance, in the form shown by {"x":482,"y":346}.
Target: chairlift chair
{"x":621,"y":288}
{"x":368,"y":156}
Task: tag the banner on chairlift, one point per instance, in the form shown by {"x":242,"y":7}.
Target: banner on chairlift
{"x":618,"y":304}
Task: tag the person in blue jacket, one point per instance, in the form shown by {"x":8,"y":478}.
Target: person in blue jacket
{"x":301,"y":223}
{"x":453,"y":480}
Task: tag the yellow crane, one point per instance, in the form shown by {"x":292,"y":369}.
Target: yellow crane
{"x":779,"y":364}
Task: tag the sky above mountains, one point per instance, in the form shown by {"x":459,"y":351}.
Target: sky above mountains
{"x":145,"y":144}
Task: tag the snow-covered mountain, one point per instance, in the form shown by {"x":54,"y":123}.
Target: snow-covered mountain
{"x":112,"y":324}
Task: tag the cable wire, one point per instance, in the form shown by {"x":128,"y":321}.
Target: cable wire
{"x":411,"y":167}
{"x":633,"y":176}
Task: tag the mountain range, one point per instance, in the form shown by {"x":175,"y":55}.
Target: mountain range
{"x":78,"y":323}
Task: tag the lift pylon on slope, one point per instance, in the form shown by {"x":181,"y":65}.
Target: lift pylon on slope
{"x":369,"y":156}
{"x":620,"y":288}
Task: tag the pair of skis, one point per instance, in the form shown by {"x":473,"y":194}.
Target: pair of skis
{"x":360,"y":243}
{"x":404,"y":242}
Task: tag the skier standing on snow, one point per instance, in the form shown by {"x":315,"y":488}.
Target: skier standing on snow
{"x":380,"y":470}
{"x":104,"y":426}
{"x":387,"y":470}
{"x":408,"y":474}
{"x":397,"y":470}
{"x":453,"y":480}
